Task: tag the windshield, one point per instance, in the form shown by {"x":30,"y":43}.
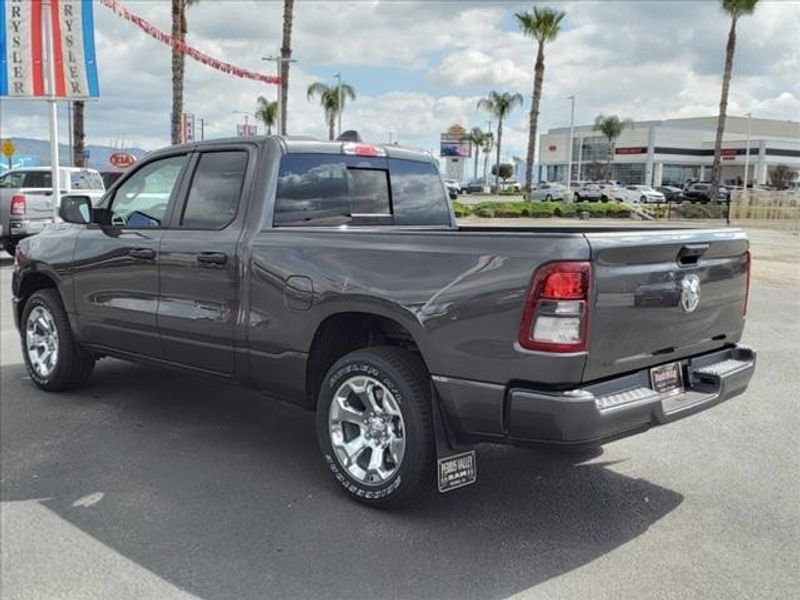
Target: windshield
{"x":86,"y":180}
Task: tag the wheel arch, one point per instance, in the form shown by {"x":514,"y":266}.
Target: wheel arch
{"x":31,"y":282}
{"x":340,"y":333}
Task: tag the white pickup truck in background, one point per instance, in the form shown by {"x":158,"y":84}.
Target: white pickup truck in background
{"x":26,"y":197}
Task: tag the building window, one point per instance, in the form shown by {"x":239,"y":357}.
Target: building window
{"x":677,"y":175}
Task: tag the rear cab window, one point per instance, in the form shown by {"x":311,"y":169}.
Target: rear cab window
{"x":334,"y":189}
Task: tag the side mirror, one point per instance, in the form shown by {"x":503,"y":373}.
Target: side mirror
{"x":75,"y":209}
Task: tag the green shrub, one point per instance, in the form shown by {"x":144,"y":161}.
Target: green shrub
{"x":564,"y":209}
{"x":483,"y":211}
{"x":461,"y":210}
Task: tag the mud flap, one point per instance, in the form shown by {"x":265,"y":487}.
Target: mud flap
{"x":455,"y":467}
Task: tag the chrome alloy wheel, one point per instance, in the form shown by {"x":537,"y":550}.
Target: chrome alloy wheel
{"x":41,"y":341}
{"x":366,"y":430}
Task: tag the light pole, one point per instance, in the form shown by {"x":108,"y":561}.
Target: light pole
{"x":338,"y":77}
{"x":569,"y":143}
{"x":279,"y":62}
{"x":747,"y":150}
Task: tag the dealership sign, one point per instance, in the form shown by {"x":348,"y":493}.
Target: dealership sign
{"x":637,"y":150}
{"x":122,"y":160}
{"x":29,"y":27}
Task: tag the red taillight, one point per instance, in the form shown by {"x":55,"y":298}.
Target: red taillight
{"x":748,"y":257}
{"x":556,"y":315}
{"x":17,"y":205}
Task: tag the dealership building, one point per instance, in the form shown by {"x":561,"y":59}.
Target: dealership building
{"x":673,"y":151}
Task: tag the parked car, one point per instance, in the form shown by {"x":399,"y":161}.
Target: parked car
{"x":334,"y":275}
{"x":640,"y":193}
{"x":587,"y":191}
{"x":672,"y":194}
{"x":549,"y":192}
{"x":701,"y":192}
{"x":453,"y":188}
{"x":26,"y":199}
{"x":474,"y":187}
{"x":609,"y":190}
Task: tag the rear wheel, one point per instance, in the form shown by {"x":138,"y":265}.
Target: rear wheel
{"x":374,"y":426}
{"x":53,"y":358}
{"x":549,"y":198}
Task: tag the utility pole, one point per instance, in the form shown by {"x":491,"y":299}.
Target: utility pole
{"x":279,"y":62}
{"x":338,"y":77}
{"x":202,"y":129}
{"x":569,"y":144}
{"x":747,"y":150}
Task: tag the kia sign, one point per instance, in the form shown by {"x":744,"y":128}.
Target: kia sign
{"x":122,"y":160}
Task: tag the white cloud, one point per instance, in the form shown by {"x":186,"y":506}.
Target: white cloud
{"x":645,"y":60}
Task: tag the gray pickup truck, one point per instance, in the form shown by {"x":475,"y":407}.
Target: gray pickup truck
{"x":334,"y":275}
{"x":26,"y":199}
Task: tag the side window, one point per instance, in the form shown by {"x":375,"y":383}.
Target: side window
{"x":12,"y":180}
{"x":38,"y":179}
{"x":417,"y":194}
{"x":215,"y":191}
{"x":142,"y":200}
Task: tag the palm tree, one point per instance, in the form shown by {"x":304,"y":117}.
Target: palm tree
{"x":267,"y":113}
{"x":611,"y":127}
{"x":78,"y":133}
{"x":734,"y":9}
{"x":477,"y":138}
{"x":543,"y":25}
{"x":499,"y":105}
{"x":286,"y":54}
{"x":329,"y":100}
{"x":179,"y":29}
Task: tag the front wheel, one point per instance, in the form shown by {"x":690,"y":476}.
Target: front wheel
{"x":549,"y":198}
{"x":374,"y":426}
{"x":53,"y":358}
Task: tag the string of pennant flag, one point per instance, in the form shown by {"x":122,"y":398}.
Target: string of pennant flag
{"x":119,"y":9}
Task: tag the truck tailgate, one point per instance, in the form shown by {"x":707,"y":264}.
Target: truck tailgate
{"x":38,"y":203}
{"x":643,"y":310}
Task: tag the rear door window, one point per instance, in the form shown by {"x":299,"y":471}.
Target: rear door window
{"x":38,"y":179}
{"x":215,"y":190}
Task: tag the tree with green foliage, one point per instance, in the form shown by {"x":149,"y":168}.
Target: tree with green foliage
{"x":543,"y":24}
{"x":267,"y":113}
{"x":499,"y":105}
{"x":735,"y":9}
{"x":503,"y":170}
{"x":329,"y":100}
{"x":611,"y":127}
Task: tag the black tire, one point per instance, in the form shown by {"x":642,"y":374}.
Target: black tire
{"x":643,"y":199}
{"x":548,"y":198}
{"x":74,"y":364}
{"x":404,"y":374}
{"x":10,"y":246}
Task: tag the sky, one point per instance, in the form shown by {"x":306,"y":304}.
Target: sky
{"x":419,"y":67}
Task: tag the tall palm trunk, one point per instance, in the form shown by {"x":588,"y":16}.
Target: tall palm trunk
{"x":538,"y":79}
{"x":78,"y":133}
{"x":286,"y":53}
{"x":178,"y":23}
{"x":609,"y":154}
{"x":497,"y":161}
{"x":716,"y":167}
{"x":477,"y":153}
{"x":331,"y":126}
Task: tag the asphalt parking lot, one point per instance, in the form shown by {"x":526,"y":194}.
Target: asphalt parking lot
{"x":151,"y":484}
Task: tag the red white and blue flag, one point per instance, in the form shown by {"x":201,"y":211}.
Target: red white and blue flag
{"x":22,"y":56}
